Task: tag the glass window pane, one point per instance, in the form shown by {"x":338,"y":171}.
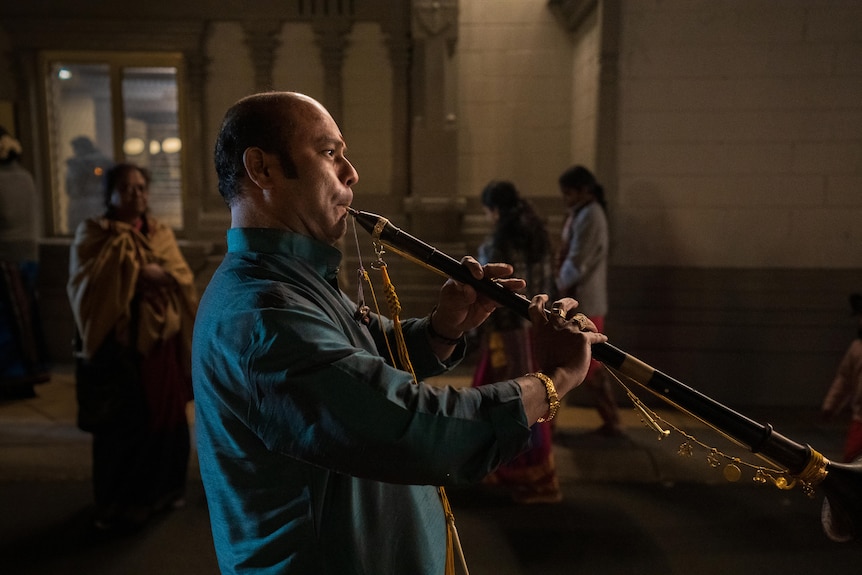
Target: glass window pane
{"x":80,"y":139}
{"x":152,"y":136}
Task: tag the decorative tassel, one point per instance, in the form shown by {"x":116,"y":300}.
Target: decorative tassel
{"x":395,"y":313}
{"x":453,"y":542}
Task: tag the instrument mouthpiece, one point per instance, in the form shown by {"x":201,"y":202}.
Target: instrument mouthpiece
{"x":351,"y":211}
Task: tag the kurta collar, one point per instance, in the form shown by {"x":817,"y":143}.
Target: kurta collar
{"x":324,"y":258}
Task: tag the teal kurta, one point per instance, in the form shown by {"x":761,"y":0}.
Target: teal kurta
{"x":317,"y":455}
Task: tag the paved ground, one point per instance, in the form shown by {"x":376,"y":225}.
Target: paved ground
{"x":632,"y":505}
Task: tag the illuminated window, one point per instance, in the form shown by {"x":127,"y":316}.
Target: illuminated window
{"x":107,"y":108}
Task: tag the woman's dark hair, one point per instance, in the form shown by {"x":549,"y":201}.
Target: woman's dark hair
{"x":501,"y":196}
{"x":578,"y":177}
{"x":518,"y":226}
{"x":113,"y":175}
{"x":261,"y":120}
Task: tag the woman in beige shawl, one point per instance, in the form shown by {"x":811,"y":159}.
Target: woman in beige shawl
{"x":133,"y":299}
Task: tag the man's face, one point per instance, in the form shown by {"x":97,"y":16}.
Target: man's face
{"x":315,"y":202}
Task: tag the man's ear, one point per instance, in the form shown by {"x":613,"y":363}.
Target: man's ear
{"x":257,"y":166}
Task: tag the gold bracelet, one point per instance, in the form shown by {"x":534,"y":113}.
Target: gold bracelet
{"x":553,"y":398}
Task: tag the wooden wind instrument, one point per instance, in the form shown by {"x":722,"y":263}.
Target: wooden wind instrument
{"x":841,"y":483}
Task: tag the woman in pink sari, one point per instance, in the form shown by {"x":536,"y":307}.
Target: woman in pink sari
{"x":519,"y":237}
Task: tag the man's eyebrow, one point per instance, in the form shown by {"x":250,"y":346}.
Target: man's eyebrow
{"x":330,"y":141}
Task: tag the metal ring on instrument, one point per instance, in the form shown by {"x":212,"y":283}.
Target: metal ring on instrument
{"x":582,"y":321}
{"x":557,"y":309}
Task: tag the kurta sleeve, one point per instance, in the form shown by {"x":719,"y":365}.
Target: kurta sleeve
{"x":336,"y":398}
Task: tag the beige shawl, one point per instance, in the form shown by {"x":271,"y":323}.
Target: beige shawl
{"x":105,"y":260}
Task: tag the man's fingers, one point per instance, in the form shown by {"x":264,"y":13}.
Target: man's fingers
{"x":538,"y":314}
{"x":474,"y":266}
{"x":513,"y":284}
{"x":498,"y":270}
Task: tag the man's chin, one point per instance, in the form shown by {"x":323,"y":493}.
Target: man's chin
{"x":339,"y":231}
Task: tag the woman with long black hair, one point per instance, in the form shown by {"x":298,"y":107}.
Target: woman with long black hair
{"x":520,"y":238}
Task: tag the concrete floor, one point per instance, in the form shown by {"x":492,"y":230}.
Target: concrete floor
{"x":631,"y":505}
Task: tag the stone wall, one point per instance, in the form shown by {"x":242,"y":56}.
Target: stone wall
{"x":729,"y":135}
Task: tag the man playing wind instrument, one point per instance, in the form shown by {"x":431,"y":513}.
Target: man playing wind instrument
{"x":317,"y":455}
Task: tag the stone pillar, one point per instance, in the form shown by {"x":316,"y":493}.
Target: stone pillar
{"x":571,"y":15}
{"x":607,"y":115}
{"x":399,"y":48}
{"x":8,"y":81}
{"x":435,"y":211}
{"x":261,"y":37}
{"x":331,"y":34}
{"x":201,"y":195}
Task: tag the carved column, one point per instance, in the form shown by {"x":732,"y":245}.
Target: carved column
{"x":434,"y":209}
{"x":261,"y":37}
{"x":572,"y":14}
{"x":399,"y":46}
{"x":8,"y":82}
{"x":607,"y":116}
{"x":196,"y":154}
{"x":331,"y":35}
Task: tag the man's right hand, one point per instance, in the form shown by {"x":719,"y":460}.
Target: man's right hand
{"x":563,"y":348}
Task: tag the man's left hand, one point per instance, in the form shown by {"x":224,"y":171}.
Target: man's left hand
{"x":461,"y":308}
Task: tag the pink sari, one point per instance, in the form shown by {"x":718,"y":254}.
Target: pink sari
{"x":531,"y":477}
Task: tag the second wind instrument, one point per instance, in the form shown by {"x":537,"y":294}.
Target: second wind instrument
{"x":841,"y":482}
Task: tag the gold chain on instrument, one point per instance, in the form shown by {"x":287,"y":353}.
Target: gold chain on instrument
{"x":453,"y":541}
{"x":813,"y":473}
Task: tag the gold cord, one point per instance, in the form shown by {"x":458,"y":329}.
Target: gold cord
{"x":395,"y":313}
{"x":453,"y":541}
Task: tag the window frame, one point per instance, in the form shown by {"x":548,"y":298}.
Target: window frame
{"x":117,"y":62}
